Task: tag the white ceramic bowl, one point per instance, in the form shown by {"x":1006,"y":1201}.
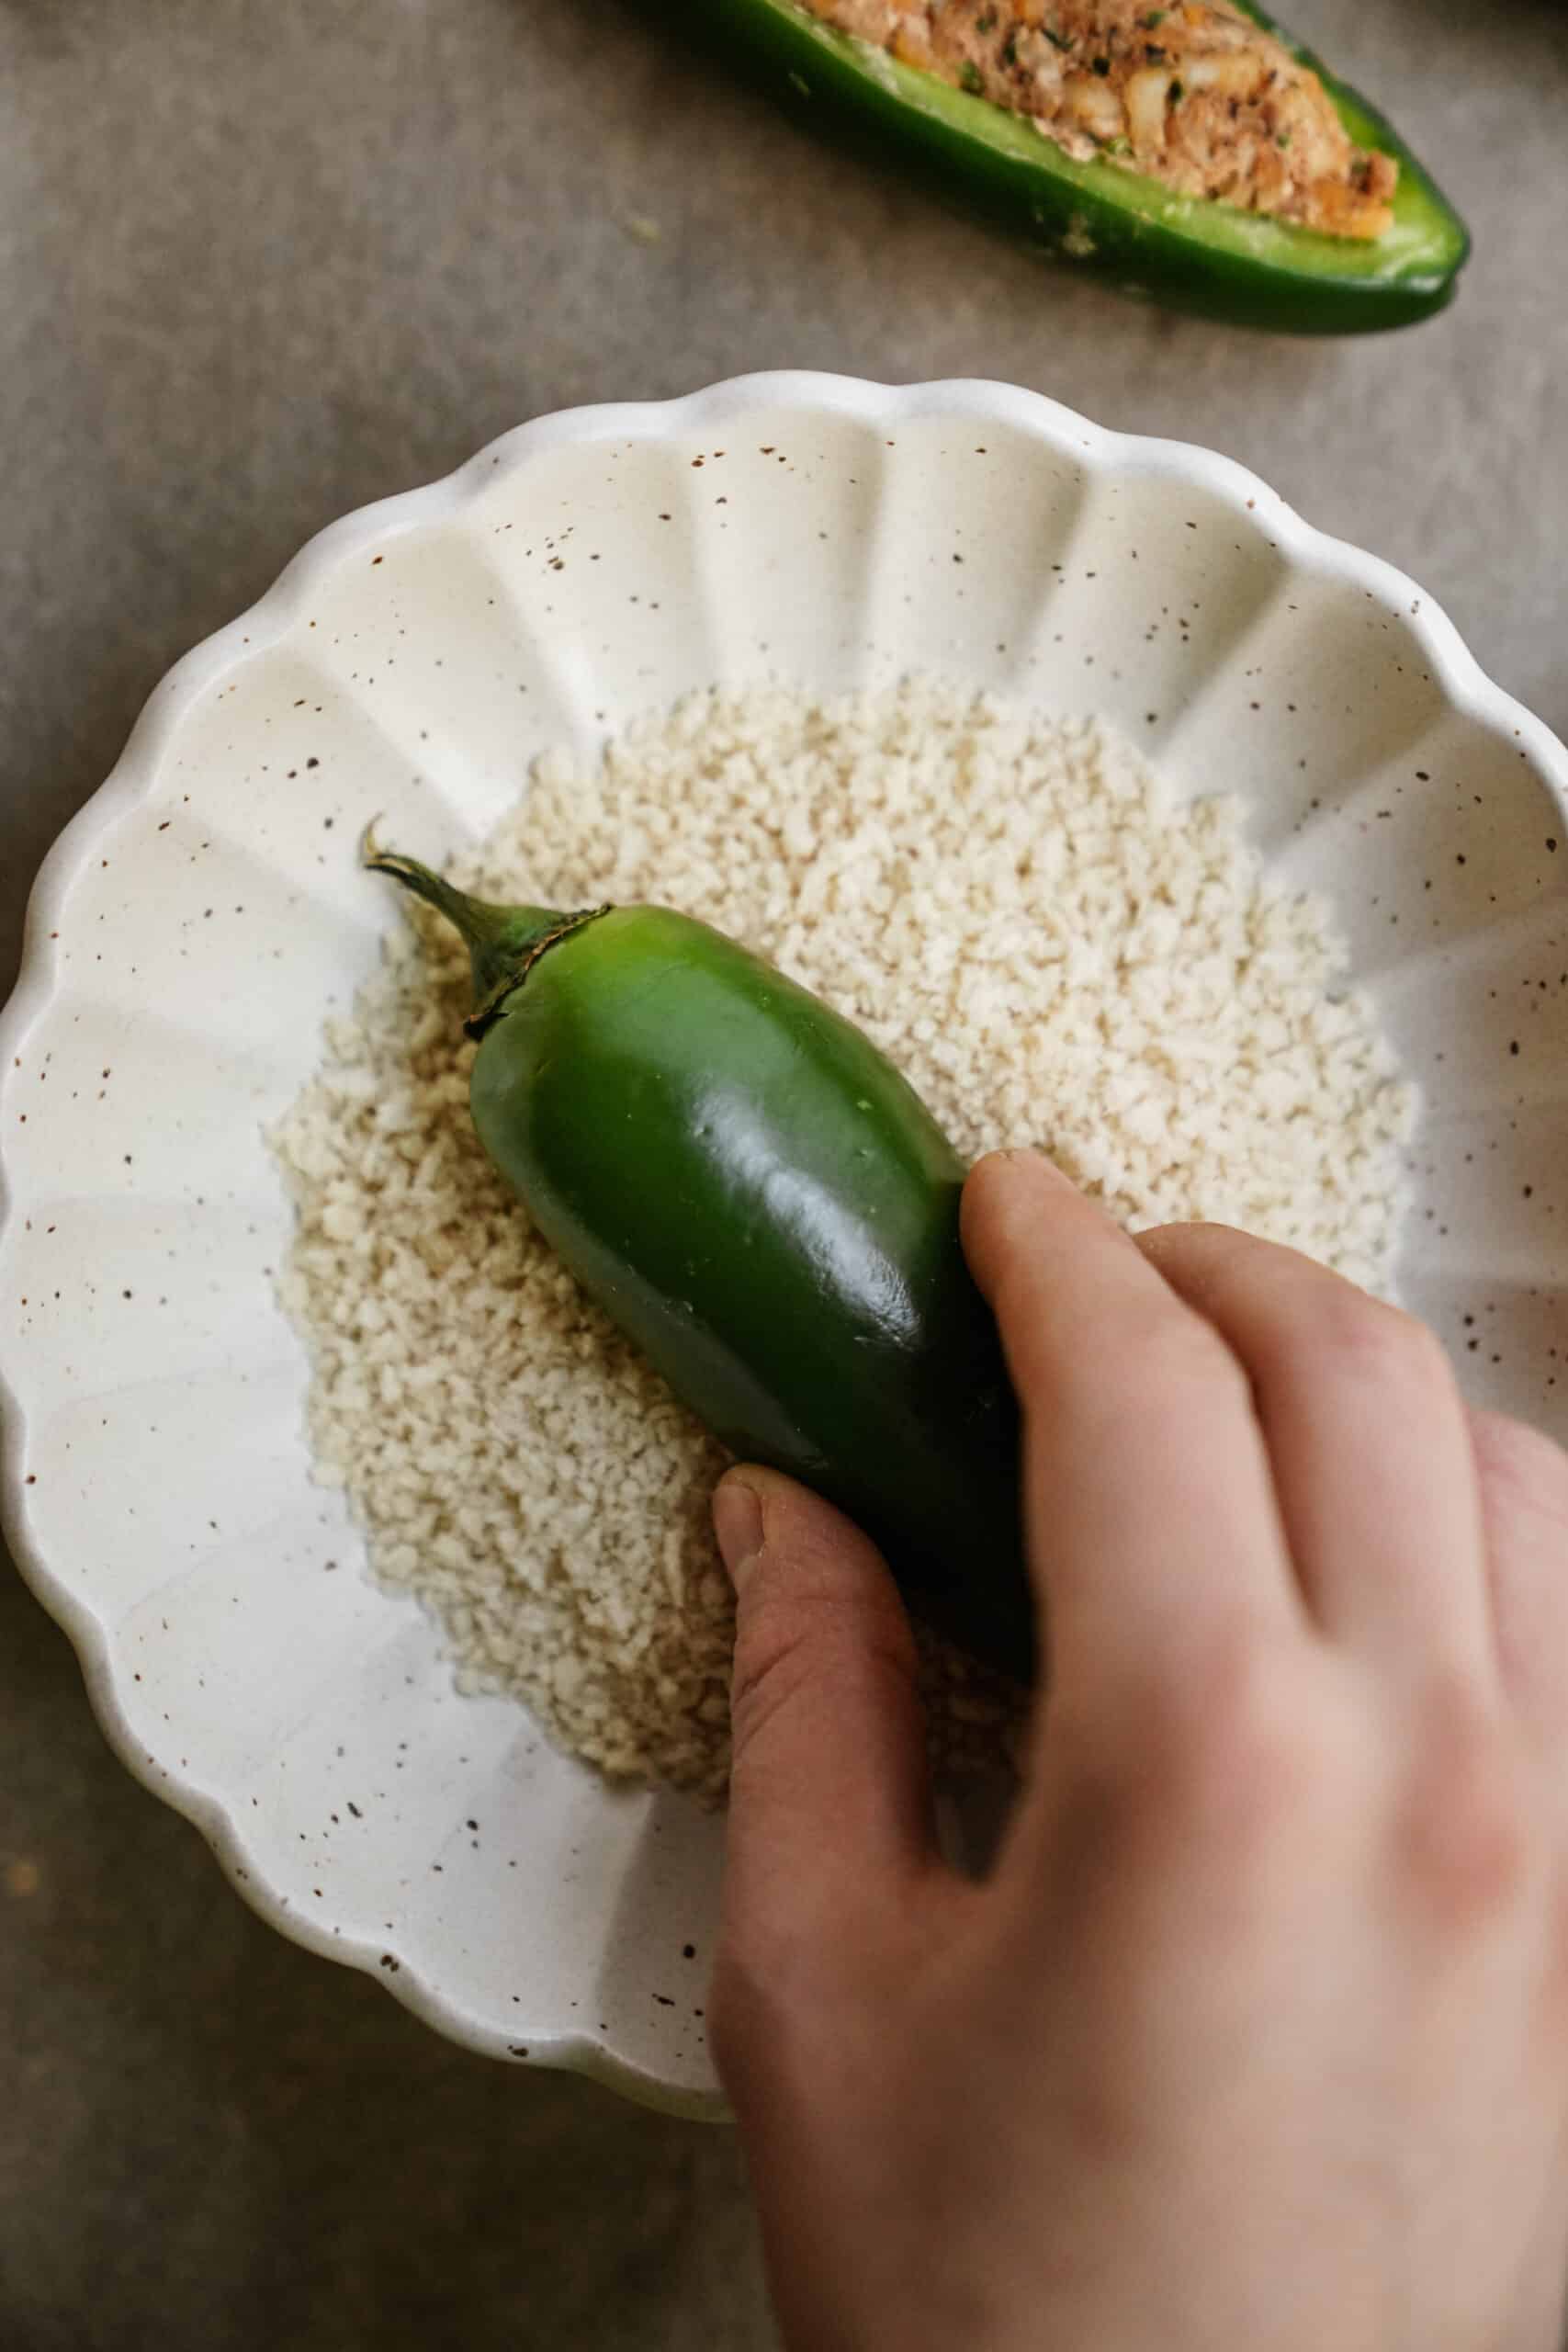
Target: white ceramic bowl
{"x":199,"y":919}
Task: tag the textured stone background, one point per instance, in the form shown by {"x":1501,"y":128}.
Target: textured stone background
{"x":261,"y":261}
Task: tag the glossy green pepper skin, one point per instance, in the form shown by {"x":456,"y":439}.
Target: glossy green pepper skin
{"x":766,"y":1208}
{"x":1189,"y":252}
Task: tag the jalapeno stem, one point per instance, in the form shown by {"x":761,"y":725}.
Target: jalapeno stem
{"x":502,"y":942}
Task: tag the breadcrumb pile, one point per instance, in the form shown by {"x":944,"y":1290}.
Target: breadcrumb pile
{"x":1019,"y":915}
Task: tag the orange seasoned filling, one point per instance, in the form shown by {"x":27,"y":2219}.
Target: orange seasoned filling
{"x":1195,"y":96}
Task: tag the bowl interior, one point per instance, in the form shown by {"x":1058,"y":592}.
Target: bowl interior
{"x":206,"y":913}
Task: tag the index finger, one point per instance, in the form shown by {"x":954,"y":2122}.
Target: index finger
{"x":1148,"y":1501}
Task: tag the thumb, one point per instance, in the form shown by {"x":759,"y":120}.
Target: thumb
{"x":829,"y":1802}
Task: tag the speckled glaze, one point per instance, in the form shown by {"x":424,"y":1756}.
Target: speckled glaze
{"x":195,"y":923}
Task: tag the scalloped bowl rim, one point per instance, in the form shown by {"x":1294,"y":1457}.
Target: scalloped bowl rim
{"x":1455,"y":672}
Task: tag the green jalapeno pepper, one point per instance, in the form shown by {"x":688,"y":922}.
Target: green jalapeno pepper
{"x":766,"y":1208}
{"x":1192,"y":252}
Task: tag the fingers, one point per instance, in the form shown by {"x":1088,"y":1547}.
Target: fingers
{"x":1524,"y":1503}
{"x":830,"y":1819}
{"x":1151,"y":1514}
{"x":1368,"y":1438}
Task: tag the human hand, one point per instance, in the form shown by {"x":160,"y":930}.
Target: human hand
{"x":1257,"y":2034}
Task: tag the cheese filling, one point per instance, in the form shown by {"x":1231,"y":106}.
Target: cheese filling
{"x":1195,"y":96}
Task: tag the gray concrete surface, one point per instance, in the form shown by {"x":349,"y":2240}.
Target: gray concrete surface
{"x":260,"y":261}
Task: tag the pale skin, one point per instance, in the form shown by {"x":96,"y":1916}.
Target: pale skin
{"x":1255,"y":2037}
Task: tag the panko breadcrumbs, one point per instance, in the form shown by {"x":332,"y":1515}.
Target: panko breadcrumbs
{"x":1017,"y":912}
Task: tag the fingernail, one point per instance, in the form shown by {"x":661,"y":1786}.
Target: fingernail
{"x":1036,"y":1157}
{"x":737,"y":1524}
{"x":1021,"y":1155}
